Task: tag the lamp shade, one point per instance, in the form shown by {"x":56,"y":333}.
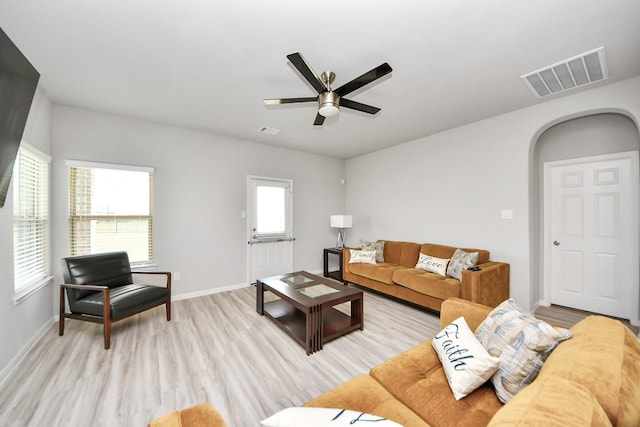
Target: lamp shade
{"x":341,"y":221}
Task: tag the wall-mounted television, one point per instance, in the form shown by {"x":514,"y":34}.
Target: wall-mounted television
{"x":18,"y":82}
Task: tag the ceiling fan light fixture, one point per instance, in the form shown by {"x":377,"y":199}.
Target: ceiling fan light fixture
{"x":328,"y":103}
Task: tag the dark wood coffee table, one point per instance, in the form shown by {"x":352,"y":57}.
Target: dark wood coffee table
{"x":305,"y":309}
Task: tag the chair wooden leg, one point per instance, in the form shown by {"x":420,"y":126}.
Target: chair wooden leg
{"x":107,"y":335}
{"x":106,"y":319}
{"x":61,"y":314}
{"x":167,"y":307}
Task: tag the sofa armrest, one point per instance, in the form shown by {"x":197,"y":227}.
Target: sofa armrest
{"x":473,"y":313}
{"x":346,"y":256}
{"x":488,"y":286}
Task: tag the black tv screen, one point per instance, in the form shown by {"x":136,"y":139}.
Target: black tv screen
{"x":18,"y":82}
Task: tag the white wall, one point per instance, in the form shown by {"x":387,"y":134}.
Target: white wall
{"x":200,"y":190}
{"x":22,"y":324}
{"x":450,"y":188}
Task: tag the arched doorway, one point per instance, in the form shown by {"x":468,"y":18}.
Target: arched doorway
{"x":592,"y":135}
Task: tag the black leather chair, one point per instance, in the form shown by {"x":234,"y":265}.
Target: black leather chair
{"x":100,"y":289}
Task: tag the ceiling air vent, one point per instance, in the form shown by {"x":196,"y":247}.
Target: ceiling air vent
{"x":583,"y":69}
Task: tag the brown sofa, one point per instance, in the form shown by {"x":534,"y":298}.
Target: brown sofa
{"x":592,"y":379}
{"x":398,"y":277}
{"x":201,"y":415}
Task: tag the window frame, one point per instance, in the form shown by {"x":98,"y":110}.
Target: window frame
{"x":139,"y":265}
{"x":43,"y":276}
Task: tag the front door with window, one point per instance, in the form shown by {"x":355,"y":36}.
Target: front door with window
{"x":269,"y":227}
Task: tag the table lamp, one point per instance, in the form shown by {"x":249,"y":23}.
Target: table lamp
{"x":341,"y":222}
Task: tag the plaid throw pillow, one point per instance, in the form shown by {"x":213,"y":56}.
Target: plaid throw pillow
{"x":522,"y":343}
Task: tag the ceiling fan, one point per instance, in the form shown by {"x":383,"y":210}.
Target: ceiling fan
{"x":330,"y":100}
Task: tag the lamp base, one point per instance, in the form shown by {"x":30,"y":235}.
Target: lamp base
{"x":342,"y":234}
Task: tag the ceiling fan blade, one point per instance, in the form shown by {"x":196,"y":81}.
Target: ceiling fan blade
{"x":305,"y":69}
{"x":319,"y":120}
{"x":289,"y":100}
{"x":365,"y":79}
{"x":354,"y":105}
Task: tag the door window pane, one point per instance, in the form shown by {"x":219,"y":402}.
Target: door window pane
{"x":270,"y":210}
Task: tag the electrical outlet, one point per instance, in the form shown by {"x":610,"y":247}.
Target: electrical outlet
{"x":176,"y":276}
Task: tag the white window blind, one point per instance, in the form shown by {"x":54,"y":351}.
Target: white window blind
{"x":30,"y":222}
{"x":110,"y":209}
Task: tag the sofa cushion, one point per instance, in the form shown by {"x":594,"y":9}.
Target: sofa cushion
{"x":125,"y":300}
{"x":374,"y":246}
{"x":417,"y":379}
{"x":401,"y":253}
{"x":427,"y":283}
{"x":365,"y":394}
{"x":461,"y":261}
{"x":603,"y":357}
{"x":466,"y":363}
{"x":522,"y":343}
{"x":544,"y":403}
{"x":433,"y":264}
{"x":381,"y":272}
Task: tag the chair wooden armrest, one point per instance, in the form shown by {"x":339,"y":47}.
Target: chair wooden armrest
{"x":157,"y":273}
{"x":98,"y":288}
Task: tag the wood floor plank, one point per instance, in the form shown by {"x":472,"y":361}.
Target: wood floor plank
{"x":216,"y":349}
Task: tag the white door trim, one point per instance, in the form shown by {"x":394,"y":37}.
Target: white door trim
{"x":635,"y":203}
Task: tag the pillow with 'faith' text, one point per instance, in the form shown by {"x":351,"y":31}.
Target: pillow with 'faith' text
{"x":466,"y":363}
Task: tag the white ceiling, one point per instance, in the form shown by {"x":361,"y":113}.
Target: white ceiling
{"x":207,"y":65}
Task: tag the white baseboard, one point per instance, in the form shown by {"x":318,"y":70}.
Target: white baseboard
{"x":210,"y":291}
{"x":13,"y":364}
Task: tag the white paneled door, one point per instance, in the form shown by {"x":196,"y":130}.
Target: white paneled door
{"x":591,"y":234}
{"x":270,"y":228}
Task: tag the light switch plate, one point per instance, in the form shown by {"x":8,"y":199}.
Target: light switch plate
{"x":506,"y":214}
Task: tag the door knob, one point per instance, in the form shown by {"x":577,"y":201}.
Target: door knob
{"x":556,"y":243}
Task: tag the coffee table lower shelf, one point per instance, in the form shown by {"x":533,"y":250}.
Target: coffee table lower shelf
{"x":293,"y":321}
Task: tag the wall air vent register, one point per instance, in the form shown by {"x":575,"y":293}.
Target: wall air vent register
{"x":581,"y":70}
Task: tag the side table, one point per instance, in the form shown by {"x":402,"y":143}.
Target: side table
{"x":336,"y":274}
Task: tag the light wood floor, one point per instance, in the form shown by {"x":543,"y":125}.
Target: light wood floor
{"x":216,"y":349}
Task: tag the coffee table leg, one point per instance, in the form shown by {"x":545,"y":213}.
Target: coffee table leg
{"x":320,"y":329}
{"x":357,"y":311}
{"x":314,"y":329}
{"x":259,"y":298}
